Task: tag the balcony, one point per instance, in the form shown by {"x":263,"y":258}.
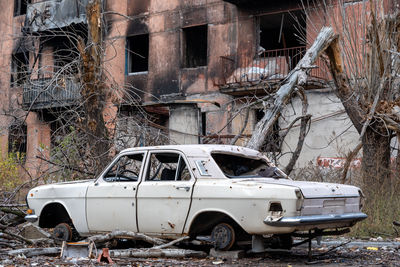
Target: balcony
{"x":240,"y":73}
{"x":55,"y":14}
{"x":49,"y":93}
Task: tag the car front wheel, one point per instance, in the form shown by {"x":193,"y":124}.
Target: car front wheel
{"x":63,"y":232}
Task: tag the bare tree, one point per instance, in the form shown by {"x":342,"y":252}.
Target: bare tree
{"x":364,"y":63}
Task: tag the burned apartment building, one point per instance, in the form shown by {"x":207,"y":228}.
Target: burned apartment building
{"x":189,"y":65}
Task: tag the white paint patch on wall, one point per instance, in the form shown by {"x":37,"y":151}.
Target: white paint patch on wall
{"x":331,"y":133}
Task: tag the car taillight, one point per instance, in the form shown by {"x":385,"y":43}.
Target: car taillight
{"x":362,"y":199}
{"x":300,"y":199}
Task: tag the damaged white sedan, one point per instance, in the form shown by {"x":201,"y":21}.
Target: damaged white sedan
{"x":233,"y":195}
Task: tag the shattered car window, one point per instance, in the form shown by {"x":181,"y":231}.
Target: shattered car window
{"x":238,"y":166}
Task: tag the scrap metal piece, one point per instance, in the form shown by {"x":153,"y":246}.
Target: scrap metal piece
{"x":75,"y":250}
{"x":105,"y":256}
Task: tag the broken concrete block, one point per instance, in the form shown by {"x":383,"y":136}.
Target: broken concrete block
{"x":234,"y":254}
{"x":31,"y":231}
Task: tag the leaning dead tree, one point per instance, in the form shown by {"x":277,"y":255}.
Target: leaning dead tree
{"x":295,"y":79}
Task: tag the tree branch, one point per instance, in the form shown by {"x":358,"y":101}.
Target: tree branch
{"x":349,"y":159}
{"x":303,"y":131}
{"x":297,"y":75}
{"x":65,"y":166}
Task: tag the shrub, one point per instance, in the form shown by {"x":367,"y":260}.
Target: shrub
{"x":9,"y":170}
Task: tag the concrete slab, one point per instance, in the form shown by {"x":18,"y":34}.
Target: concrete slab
{"x":233,"y":254}
{"x":32,"y":231}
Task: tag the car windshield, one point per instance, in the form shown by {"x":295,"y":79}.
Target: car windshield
{"x":238,"y":166}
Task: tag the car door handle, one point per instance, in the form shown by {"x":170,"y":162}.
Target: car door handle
{"x":187,"y":188}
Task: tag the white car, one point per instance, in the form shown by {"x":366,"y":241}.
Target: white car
{"x":232,"y":194}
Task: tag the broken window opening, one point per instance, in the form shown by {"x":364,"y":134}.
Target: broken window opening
{"x":281,"y":38}
{"x":19,"y":68}
{"x":203,"y":123}
{"x":20,"y":7}
{"x":64,"y":55}
{"x":238,"y":166}
{"x":282,"y":30}
{"x":138,"y":53}
{"x":195,"y":46}
{"x":61,"y":131}
{"x":167,"y":167}
{"x":17,"y":140}
{"x":62,"y":52}
{"x":272,"y":142}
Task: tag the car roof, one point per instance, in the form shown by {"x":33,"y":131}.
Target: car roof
{"x":202,"y":150}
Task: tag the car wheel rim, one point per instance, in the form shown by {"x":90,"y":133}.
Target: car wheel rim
{"x":62,"y":232}
{"x":223,"y":236}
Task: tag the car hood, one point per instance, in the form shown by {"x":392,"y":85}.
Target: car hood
{"x":79,"y":182}
{"x":310,"y":189}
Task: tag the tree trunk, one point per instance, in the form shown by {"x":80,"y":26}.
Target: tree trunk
{"x":93,"y":88}
{"x":157,"y":253}
{"x":376,"y":158}
{"x":375,"y":142}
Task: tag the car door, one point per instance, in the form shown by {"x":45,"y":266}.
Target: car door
{"x":164,"y":195}
{"x":111,"y":200}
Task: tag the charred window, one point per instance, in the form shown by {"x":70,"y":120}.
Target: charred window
{"x":17,"y":139}
{"x":20,"y":7}
{"x":64,"y":55}
{"x":60,"y":130}
{"x":273,"y":141}
{"x":138,"y":53}
{"x":195,"y":46}
{"x":281,"y":39}
{"x":19,"y":68}
{"x":204,"y":124}
{"x":282,"y":30}
{"x":238,"y":166}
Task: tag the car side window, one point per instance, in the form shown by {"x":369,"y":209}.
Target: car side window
{"x":126,"y":169}
{"x":167,"y":166}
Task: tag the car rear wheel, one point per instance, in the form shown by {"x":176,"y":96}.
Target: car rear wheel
{"x":223,"y":236}
{"x":63,"y":232}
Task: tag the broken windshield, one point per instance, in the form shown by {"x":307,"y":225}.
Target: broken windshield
{"x":238,"y":166}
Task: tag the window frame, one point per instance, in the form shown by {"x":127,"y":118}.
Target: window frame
{"x":19,"y":69}
{"x":18,"y":4}
{"x":129,"y":52}
{"x":115,"y":161}
{"x":184,"y":60}
{"x":181,"y":157}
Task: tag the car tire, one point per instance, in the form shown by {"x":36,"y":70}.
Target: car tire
{"x":223,"y":235}
{"x":62,"y":232}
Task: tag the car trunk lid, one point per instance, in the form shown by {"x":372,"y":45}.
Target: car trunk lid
{"x":311,"y":189}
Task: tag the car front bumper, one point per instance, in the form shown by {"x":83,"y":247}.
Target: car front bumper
{"x":316,"y":219}
{"x":31,"y":218}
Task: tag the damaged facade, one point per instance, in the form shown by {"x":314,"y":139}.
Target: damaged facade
{"x":190,"y":65}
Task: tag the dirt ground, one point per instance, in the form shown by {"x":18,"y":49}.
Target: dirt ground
{"x":330,"y":253}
